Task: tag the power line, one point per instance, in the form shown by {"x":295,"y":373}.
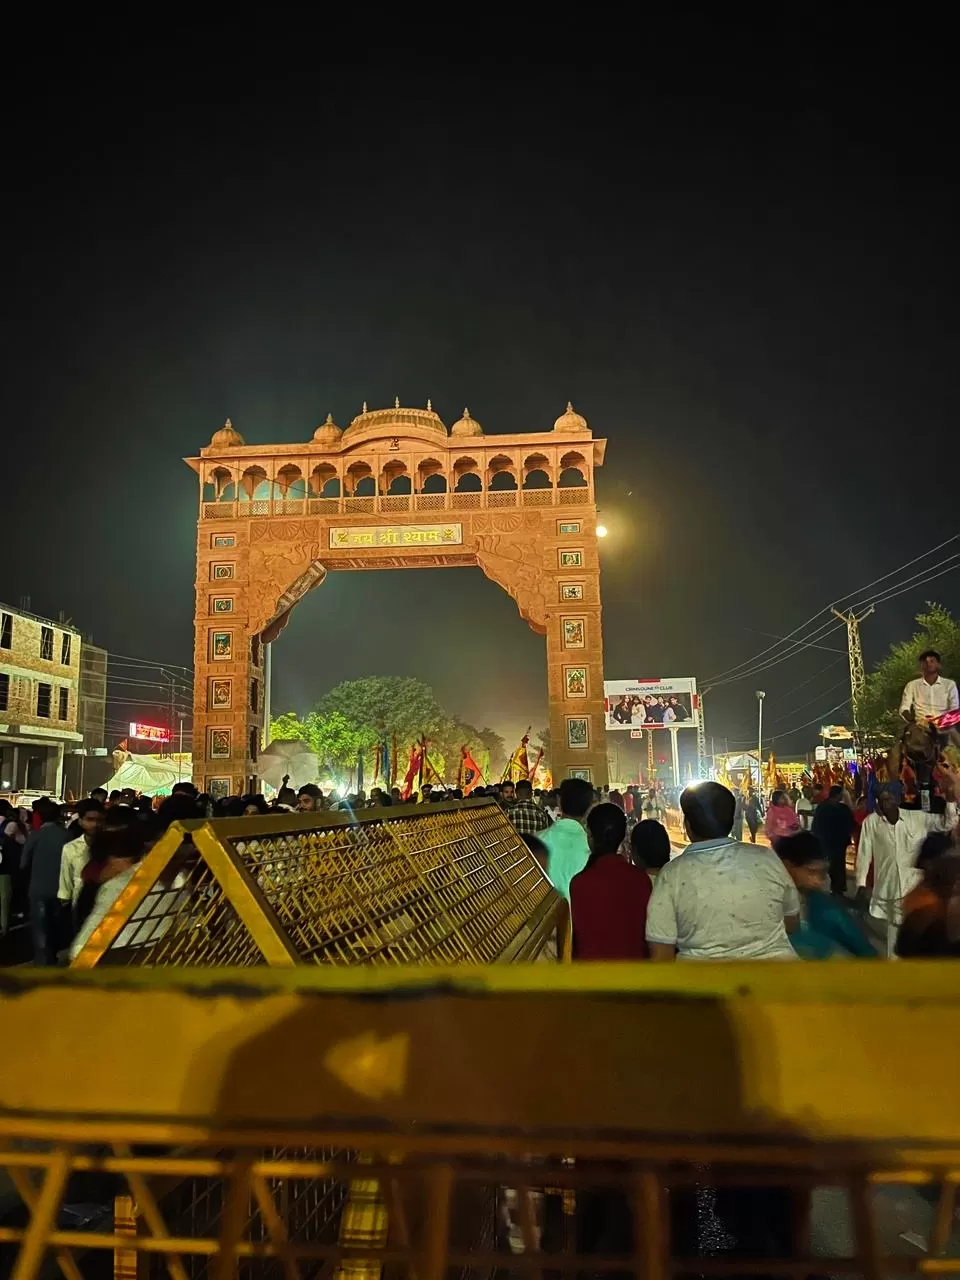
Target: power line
{"x":809,"y":621}
{"x":914,"y":582}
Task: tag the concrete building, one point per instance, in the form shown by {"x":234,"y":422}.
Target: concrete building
{"x":39,"y":697}
{"x":89,"y":764}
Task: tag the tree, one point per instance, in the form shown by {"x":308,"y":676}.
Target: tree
{"x":335,"y":741}
{"x":938,"y":629}
{"x":378,"y":707}
{"x":288,"y":728}
{"x":496,"y":750}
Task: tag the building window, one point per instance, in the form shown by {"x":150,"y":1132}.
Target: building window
{"x":65,"y":648}
{"x":254,"y":695}
{"x":44,"y":694}
{"x":254,"y":744}
{"x":4,"y":690}
{"x":64,"y":708}
{"x":46,"y":643}
{"x":6,"y":631}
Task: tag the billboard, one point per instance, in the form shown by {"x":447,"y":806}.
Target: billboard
{"x":664,"y":702}
{"x":149,"y":732}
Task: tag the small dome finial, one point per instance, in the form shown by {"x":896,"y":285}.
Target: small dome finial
{"x":364,"y":409}
{"x":466,"y":426}
{"x":227,"y":437}
{"x":396,"y":402}
{"x":571,"y":421}
{"x":228,"y":424}
{"x":429,"y":406}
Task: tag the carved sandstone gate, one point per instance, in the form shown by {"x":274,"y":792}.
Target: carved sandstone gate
{"x":394,"y":490}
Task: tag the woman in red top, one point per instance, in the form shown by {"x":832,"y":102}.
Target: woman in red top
{"x":608,"y":899}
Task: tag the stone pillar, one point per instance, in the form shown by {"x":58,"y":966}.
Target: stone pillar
{"x":228,"y":685}
{"x":578,"y":738}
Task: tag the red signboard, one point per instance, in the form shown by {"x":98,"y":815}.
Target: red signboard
{"x":149,"y":732}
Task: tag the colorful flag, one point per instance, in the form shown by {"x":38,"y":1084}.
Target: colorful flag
{"x":416,"y":762}
{"x":536,"y":765}
{"x":392,"y":779}
{"x":518,"y":766}
{"x":469,"y":775}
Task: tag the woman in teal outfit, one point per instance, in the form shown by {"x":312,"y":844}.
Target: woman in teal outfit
{"x":827,"y":928}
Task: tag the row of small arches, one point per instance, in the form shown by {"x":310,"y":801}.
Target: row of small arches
{"x":360,"y":481}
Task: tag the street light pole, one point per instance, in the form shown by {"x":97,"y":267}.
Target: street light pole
{"x":760,"y":697}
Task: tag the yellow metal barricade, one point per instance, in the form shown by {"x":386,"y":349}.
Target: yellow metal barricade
{"x":631,"y":1082}
{"x":446,"y":884}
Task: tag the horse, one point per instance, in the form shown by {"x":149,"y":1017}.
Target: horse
{"x":914,"y":759}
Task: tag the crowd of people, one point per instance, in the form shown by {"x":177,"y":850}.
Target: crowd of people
{"x":632,"y":895}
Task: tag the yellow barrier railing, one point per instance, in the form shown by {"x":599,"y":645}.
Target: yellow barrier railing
{"x":622,"y":1086}
{"x":449,"y":883}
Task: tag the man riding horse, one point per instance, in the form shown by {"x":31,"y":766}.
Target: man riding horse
{"x":930,"y":706}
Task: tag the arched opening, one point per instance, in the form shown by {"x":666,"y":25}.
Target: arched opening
{"x":426,"y":471}
{"x":324,"y":481}
{"x":254,"y":485}
{"x":536,"y":472}
{"x":365,"y":487}
{"x":466,"y":475}
{"x":436,"y":483}
{"x":393,"y":471}
{"x":290,"y":482}
{"x":356,"y":473}
{"x":217,"y":483}
{"x":573,"y":468}
{"x":400,"y":484}
{"x":502,"y":480}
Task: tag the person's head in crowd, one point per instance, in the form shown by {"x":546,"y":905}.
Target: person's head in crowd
{"x":114,"y":797}
{"x":650,"y":844}
{"x":375,"y":794}
{"x":99,"y":794}
{"x":385,"y":800}
{"x":835,"y":794}
{"x":455,"y":794}
{"x":606,"y":829}
{"x":936,"y":845}
{"x":804,"y":860}
{"x":887,"y":806}
{"x":576,"y":797}
{"x":47,"y":810}
{"x":437,"y":796}
{"x":90,"y":817}
{"x":396,"y":795}
{"x":144,"y":805}
{"x":708,"y":811}
{"x":779,"y":799}
{"x":234,"y":807}
{"x":552,"y":800}
{"x":254,"y":805}
{"x":615,"y":797}
{"x":184,"y":788}
{"x":178,"y":807}
{"x":120,"y":842}
{"x":309,"y":798}
{"x":128,"y":796}
{"x":508,"y":792}
{"x":929,"y":662}
{"x":425,"y":791}
{"x":523,"y":790}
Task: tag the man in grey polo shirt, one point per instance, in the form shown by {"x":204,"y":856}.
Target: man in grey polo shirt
{"x":721,"y":899}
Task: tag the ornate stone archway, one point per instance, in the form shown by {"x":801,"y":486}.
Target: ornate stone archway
{"x":260,"y":550}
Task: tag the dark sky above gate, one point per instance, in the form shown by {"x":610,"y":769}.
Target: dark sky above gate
{"x":736,"y":255}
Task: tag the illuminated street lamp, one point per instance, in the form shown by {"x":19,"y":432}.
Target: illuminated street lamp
{"x":601,"y":530}
{"x":760,"y":697}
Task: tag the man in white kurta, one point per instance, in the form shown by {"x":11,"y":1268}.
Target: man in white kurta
{"x":931,"y":694}
{"x":890,"y":839}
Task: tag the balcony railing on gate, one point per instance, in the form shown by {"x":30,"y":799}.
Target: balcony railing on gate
{"x":393,"y":504}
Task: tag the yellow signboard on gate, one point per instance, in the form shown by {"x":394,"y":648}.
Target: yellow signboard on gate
{"x":396,"y":535}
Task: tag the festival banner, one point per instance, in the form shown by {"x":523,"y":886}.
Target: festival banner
{"x":662,"y":702}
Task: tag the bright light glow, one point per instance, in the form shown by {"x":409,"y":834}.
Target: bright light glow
{"x":601,"y":530}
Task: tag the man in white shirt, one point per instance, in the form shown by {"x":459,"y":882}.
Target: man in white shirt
{"x":720,"y":899}
{"x":76,"y":853}
{"x":890,"y":839}
{"x":930,"y":695}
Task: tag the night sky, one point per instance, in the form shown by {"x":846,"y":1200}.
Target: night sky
{"x":743,"y":276}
